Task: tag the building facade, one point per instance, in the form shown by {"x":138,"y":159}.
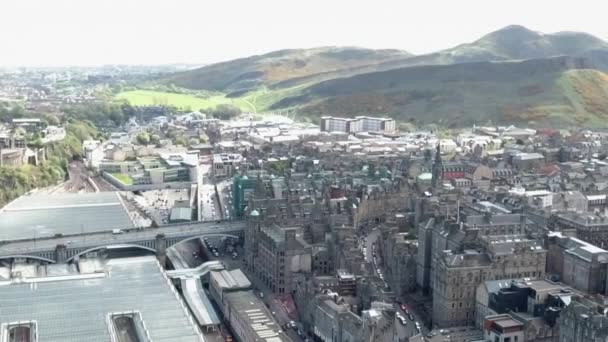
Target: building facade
{"x":358,"y":124}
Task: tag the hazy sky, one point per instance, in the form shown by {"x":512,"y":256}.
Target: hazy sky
{"x":85,"y":32}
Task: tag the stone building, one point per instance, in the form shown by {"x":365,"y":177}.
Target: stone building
{"x":588,"y":227}
{"x":583,"y":321}
{"x":438,"y":234}
{"x":577,"y":263}
{"x":458,"y":274}
{"x":276,"y":255}
{"x":336,"y":322}
{"x":503,"y":328}
{"x":400,"y":251}
{"x":458,"y":256}
{"x":454,"y":281}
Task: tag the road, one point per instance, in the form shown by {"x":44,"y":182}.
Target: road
{"x":410,"y":328}
{"x":209,"y":205}
{"x":225,"y":192}
{"x":208,"y":200}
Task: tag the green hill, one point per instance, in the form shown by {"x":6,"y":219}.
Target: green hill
{"x":558,"y":91}
{"x":512,"y":74}
{"x":255,"y":71}
{"x":516,"y":43}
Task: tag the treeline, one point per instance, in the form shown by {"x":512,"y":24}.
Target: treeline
{"x":16,"y":181}
{"x":101,"y":113}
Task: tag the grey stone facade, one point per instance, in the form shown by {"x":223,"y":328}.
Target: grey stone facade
{"x":577,"y":263}
{"x":583,"y":321}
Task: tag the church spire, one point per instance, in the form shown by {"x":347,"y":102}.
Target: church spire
{"x":437,"y":170}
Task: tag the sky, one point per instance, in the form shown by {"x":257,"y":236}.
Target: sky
{"x":95,"y":32}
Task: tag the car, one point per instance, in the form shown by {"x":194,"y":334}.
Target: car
{"x":431,"y":334}
{"x":292,"y":324}
{"x":418,"y":326}
{"x":410,"y":316}
{"x":403,"y":307}
{"x":261,"y":294}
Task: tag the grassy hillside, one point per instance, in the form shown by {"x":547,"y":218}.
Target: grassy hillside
{"x":182,"y":101}
{"x":559,"y":91}
{"x":511,"y":75}
{"x":255,"y":71}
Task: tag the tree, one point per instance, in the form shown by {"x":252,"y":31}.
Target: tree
{"x":154,"y":139}
{"x":143,"y":138}
{"x":407,"y":127}
{"x":180,"y":140}
{"x":51,"y":119}
{"x":226,"y":111}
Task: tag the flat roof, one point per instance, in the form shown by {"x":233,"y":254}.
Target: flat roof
{"x":198,"y":302}
{"x":507,"y":323}
{"x":256,"y":316}
{"x":44,"y":215}
{"x":181,"y":213}
{"x":234,"y":279}
{"x":77,"y":308}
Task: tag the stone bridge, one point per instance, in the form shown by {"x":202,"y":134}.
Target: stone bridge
{"x":67,"y":248}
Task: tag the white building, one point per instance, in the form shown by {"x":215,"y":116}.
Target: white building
{"x":93,"y":152}
{"x":358,"y":124}
{"x":542,"y":198}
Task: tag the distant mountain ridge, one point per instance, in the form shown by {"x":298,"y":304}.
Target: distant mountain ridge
{"x":512,"y":74}
{"x":250,"y":72}
{"x":555,"y":91}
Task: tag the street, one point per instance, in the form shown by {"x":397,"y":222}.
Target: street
{"x":210,"y":208}
{"x":374,"y":255}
